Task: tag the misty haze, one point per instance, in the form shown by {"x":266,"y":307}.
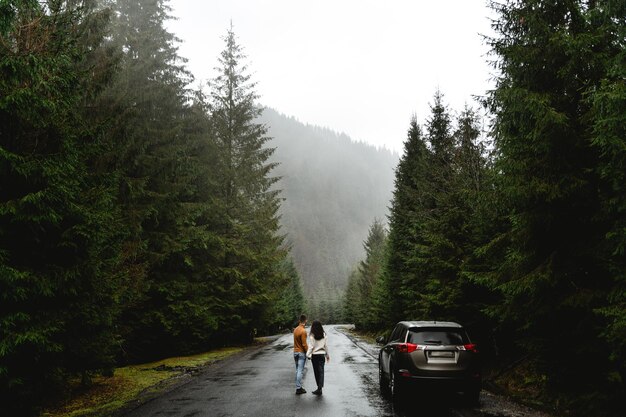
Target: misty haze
{"x":348,"y":208}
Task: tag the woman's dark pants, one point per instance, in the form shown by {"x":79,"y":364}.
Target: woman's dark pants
{"x":318,"y":362}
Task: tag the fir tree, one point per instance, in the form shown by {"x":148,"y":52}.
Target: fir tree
{"x":58,"y":238}
{"x":155,"y":139}
{"x":436,"y":260}
{"x":608,"y":139}
{"x":369,"y":273}
{"x":552,"y":56}
{"x":247,"y":203}
{"x":400,"y":279}
{"x":353,"y":299}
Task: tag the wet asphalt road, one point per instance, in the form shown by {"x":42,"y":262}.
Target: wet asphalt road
{"x":260,"y":382}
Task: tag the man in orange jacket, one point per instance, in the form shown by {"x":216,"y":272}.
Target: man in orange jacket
{"x":299,"y":352}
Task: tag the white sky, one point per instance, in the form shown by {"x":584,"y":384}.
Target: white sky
{"x":361,"y":67}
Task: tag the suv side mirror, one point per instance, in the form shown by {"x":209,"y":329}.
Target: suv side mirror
{"x":380,"y":340}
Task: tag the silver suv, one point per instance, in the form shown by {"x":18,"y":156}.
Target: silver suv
{"x":436,"y":354}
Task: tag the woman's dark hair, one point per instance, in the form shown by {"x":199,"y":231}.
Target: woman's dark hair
{"x":317,"y":330}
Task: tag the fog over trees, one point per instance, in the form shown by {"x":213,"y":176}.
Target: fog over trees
{"x":333,"y":187}
{"x":523,"y":245}
{"x":137,"y":216}
{"x":141,"y":218}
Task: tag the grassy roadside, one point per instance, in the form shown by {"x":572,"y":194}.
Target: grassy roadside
{"x":132,"y":384}
{"x":369,"y":337}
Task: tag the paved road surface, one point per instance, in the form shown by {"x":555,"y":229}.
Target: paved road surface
{"x":260,"y":382}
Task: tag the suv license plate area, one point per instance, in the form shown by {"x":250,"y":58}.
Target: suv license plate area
{"x":440,"y":354}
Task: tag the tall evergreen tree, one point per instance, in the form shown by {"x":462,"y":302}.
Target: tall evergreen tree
{"x":153,"y":135}
{"x":246,"y":200}
{"x":470,"y":224}
{"x":440,"y":208}
{"x":552,"y":55}
{"x":58,"y":239}
{"x":369,"y":273}
{"x":374,"y":248}
{"x":353,"y":300}
{"x":609,"y":138}
{"x":436,"y":262}
{"x":404,"y":226}
{"x":433,"y":231}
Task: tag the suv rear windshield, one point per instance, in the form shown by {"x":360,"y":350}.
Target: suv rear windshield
{"x":437,"y":336}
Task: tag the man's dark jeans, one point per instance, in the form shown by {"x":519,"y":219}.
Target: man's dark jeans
{"x":318,"y":362}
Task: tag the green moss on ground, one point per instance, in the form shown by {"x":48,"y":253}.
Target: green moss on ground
{"x":107,"y":395}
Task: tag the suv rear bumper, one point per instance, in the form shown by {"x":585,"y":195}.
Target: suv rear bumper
{"x":464,"y":383}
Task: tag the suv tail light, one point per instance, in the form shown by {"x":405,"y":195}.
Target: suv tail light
{"x":471,"y":347}
{"x":408,"y":347}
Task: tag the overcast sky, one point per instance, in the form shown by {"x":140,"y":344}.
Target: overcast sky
{"x":356,"y":66}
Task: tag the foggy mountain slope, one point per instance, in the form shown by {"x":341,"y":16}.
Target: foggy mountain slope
{"x":333,"y":189}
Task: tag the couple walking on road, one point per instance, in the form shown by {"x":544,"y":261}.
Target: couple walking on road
{"x":316,"y":349}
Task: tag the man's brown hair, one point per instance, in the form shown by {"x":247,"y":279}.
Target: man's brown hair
{"x":302,"y":318}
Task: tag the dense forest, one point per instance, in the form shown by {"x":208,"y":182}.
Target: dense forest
{"x":519,"y":232}
{"x":138,"y":217}
{"x":332,"y":188}
{"x":141,"y":218}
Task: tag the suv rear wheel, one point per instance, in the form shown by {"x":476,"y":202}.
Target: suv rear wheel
{"x":396,"y":386}
{"x":382,"y":381}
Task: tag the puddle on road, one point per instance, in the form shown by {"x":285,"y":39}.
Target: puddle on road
{"x":360,"y":360}
{"x":374,"y":396}
{"x":348,"y":359}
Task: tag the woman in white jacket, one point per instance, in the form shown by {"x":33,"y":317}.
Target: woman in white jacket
{"x":318,"y":353}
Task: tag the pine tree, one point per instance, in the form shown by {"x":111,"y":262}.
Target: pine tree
{"x":369,"y":273}
{"x":609,"y":137}
{"x":552,"y":56}
{"x":442,"y":205}
{"x":353,"y":299}
{"x":399,"y":277}
{"x":246,"y":216}
{"x":155,"y":139}
{"x":436,"y":260}
{"x":58,"y":238}
{"x":470,"y":225}
{"x":433,"y":231}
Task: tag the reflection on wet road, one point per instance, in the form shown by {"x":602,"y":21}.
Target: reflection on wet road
{"x":260,"y":382}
